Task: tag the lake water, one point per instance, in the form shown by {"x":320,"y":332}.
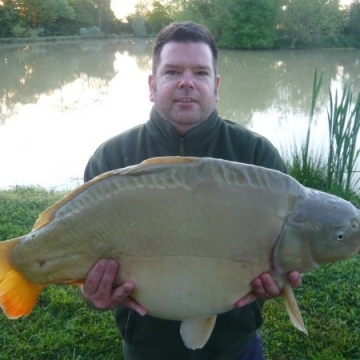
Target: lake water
{"x":59,"y":101}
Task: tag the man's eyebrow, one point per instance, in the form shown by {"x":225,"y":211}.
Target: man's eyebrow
{"x":170,"y":65}
{"x":199,"y":66}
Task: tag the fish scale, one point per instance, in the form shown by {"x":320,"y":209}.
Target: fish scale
{"x":183,"y":230}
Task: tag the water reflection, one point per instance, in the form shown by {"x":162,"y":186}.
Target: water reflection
{"x":281,"y":80}
{"x":60,"y":101}
{"x":27,"y":71}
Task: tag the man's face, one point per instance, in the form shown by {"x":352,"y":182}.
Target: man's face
{"x":184,"y":88}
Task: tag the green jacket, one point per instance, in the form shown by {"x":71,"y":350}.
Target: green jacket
{"x":149,"y":338}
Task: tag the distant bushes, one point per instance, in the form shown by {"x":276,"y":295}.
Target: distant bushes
{"x":93,"y":31}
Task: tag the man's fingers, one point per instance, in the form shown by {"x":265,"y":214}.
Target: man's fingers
{"x":122,"y":294}
{"x":265,"y":286}
{"x":247,"y":299}
{"x":105,"y":286}
{"x":134,"y":305}
{"x":100,"y":291}
{"x":100,"y":277}
{"x":294,"y":279}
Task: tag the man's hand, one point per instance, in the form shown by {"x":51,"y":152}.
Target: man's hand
{"x":264,"y":286}
{"x":100,"y":292}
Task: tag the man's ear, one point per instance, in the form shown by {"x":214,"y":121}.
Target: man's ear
{"x":151,"y":83}
{"x":217,"y":85}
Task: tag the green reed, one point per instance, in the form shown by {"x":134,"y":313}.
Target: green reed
{"x":344,"y":126}
{"x":335,"y":171}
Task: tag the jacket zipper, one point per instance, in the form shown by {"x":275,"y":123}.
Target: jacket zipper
{"x":182,"y":148}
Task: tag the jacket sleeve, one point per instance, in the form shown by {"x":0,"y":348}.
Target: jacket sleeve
{"x":108,"y":156}
{"x":93,"y":168}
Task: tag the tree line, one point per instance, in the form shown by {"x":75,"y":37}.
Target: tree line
{"x":236,"y":24}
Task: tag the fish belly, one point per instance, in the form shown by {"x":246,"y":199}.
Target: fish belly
{"x":182,"y":287}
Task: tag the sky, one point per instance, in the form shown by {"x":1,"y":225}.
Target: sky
{"x":122,"y":8}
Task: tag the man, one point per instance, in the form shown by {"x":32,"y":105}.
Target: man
{"x":184,"y":121}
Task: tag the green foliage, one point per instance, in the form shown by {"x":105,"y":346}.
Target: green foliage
{"x":352,"y":27}
{"x":310,"y":22}
{"x":196,"y":10}
{"x":157,"y":18}
{"x":85,"y":13}
{"x":261,"y":24}
{"x":92,"y":32}
{"x":20,"y":207}
{"x":105,"y":15}
{"x":236,"y":24}
{"x":19,"y":31}
{"x":138,"y":25}
{"x":334,"y":172}
{"x":55,"y":17}
{"x":9,"y":18}
{"x":344,"y":126}
{"x":250,"y":24}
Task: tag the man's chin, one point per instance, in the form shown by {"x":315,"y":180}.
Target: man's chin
{"x":187,"y":117}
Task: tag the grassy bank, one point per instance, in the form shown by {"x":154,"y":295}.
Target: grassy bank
{"x":62,"y":326}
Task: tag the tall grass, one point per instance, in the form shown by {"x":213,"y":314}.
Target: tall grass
{"x":344,"y":125}
{"x":335,"y":171}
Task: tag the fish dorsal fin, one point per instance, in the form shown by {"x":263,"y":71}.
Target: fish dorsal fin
{"x":156,"y":164}
{"x":293,"y":309}
{"x":168,"y":160}
{"x":196,"y":332}
{"x":46,"y":216}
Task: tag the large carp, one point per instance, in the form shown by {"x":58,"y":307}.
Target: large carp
{"x":190,"y":233}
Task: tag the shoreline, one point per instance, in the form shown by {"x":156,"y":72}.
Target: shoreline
{"x":75,"y":38}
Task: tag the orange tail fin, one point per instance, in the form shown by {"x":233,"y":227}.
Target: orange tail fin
{"x":17,"y":295}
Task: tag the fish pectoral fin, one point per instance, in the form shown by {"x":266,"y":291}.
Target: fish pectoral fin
{"x":196,"y":332}
{"x":17,"y":295}
{"x":293,"y":309}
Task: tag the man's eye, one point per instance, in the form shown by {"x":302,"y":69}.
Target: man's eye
{"x":171,"y":72}
{"x":202,"y":73}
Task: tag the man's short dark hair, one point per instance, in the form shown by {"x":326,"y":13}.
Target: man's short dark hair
{"x":183,"y":32}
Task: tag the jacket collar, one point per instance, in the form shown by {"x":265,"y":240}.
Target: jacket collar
{"x":163,"y":132}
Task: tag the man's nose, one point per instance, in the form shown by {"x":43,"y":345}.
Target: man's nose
{"x":186,"y":82}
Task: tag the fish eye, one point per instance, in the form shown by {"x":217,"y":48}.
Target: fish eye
{"x":340,"y":236}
